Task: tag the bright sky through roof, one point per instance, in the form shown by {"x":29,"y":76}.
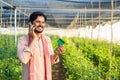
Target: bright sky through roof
{"x":89,"y":0}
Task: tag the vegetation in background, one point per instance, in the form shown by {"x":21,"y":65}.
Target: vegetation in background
{"x":10,"y":67}
{"x":84,"y":59}
{"x":87,"y":59}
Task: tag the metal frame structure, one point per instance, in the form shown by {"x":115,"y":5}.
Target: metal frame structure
{"x":62,"y":12}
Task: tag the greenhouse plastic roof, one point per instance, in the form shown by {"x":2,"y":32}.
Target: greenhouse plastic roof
{"x":63,"y":12}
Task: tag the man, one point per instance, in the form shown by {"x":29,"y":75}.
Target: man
{"x":35,"y":50}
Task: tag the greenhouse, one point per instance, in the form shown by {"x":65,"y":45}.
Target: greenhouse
{"x":90,"y":29}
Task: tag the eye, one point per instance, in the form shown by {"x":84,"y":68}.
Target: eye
{"x":43,"y":22}
{"x":37,"y":21}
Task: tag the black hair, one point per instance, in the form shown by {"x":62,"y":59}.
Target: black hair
{"x":34,"y":15}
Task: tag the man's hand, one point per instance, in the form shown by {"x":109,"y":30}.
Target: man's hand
{"x":60,"y":50}
{"x":31,"y":32}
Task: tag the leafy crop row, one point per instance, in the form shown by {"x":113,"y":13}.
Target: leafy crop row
{"x":84,"y":59}
{"x":10,"y":67}
{"x":87,"y":59}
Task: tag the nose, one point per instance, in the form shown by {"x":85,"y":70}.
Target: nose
{"x":40,"y":24}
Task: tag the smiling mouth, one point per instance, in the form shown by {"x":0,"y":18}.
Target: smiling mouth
{"x":39,"y":30}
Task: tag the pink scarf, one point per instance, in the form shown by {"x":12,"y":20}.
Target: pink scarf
{"x":47,"y":62}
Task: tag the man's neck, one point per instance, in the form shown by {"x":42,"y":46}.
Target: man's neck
{"x":38,"y":35}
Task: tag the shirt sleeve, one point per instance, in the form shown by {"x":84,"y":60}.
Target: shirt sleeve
{"x":51,"y":51}
{"x":24,"y":53}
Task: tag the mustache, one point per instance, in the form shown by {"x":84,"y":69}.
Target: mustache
{"x":40,"y":26}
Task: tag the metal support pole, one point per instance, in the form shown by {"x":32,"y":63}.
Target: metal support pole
{"x":15,"y":24}
{"x":1,"y":13}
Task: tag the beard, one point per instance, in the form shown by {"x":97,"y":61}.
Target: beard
{"x":39,"y":30}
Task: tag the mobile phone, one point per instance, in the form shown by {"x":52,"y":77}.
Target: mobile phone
{"x":31,"y":25}
{"x":60,"y":41}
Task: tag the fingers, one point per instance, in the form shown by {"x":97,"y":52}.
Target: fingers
{"x":60,"y":50}
{"x":31,"y":28}
{"x":31,"y":31}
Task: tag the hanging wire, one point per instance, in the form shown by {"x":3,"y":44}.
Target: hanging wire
{"x":99,"y":35}
{"x":99,"y":19}
{"x":84,"y":22}
{"x":85,"y":16}
{"x":91,"y":3}
{"x":1,"y":9}
{"x":115,"y":6}
{"x":11,"y":20}
{"x":92,"y":19}
{"x":111,"y":40}
{"x":86,"y":67}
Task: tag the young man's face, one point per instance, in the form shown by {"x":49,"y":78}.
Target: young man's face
{"x":39,"y":24}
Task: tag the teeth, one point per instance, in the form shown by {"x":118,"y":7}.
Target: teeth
{"x":39,"y":28}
